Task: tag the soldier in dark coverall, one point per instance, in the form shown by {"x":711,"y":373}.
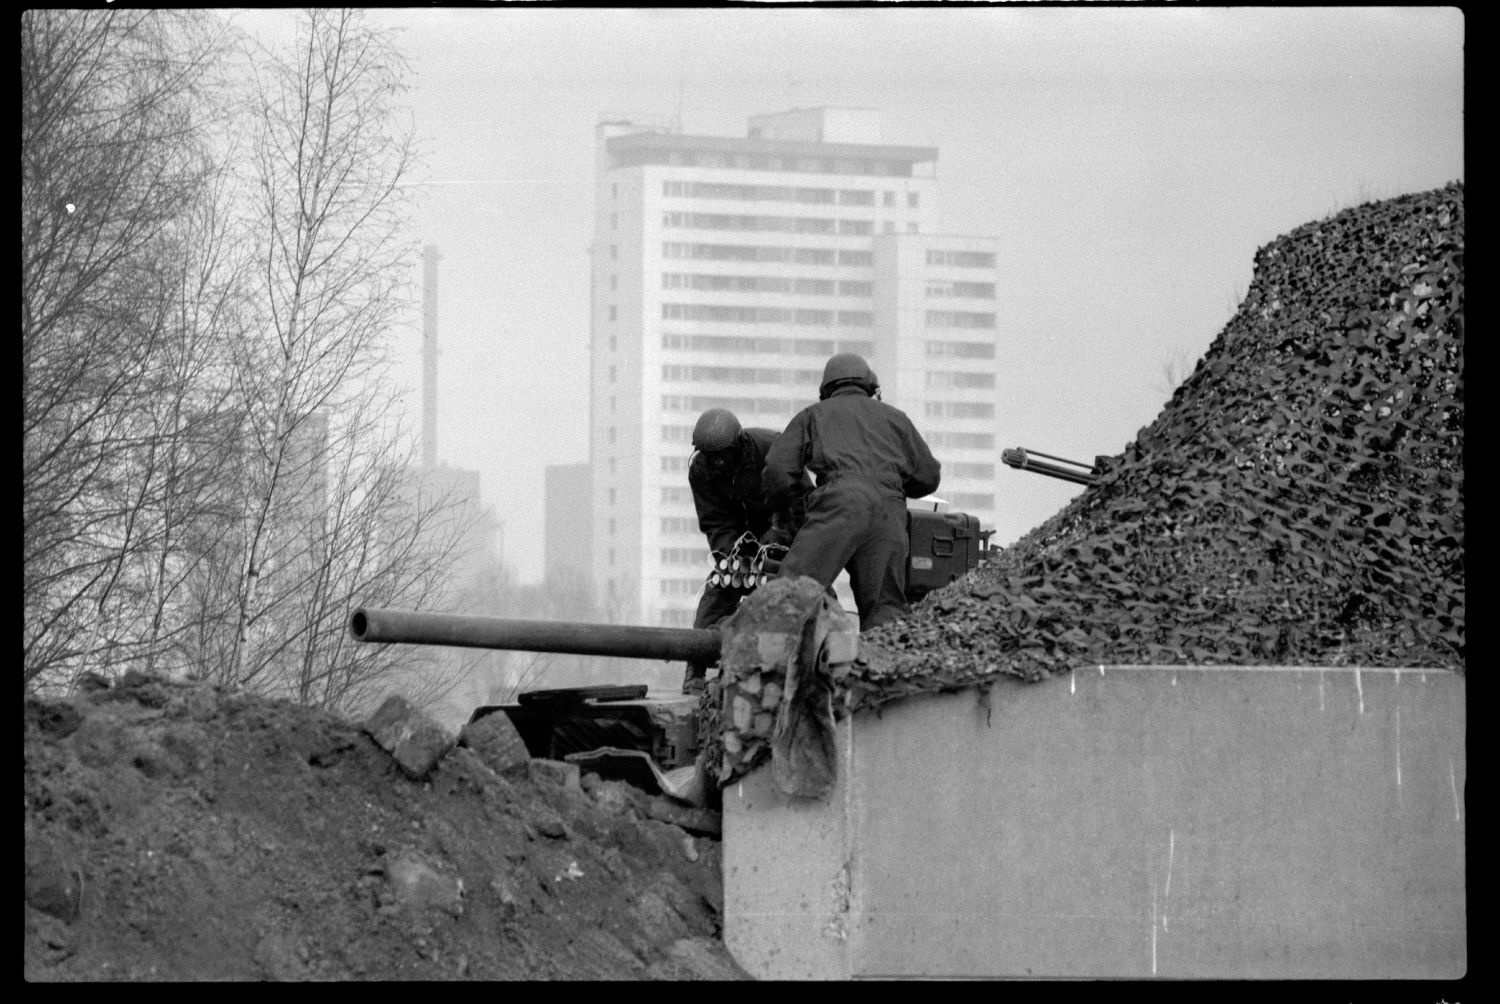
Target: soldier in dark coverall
{"x":725,"y":476}
{"x":869,"y":459}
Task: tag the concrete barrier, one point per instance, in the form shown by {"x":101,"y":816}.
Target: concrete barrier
{"x":1124,"y":822}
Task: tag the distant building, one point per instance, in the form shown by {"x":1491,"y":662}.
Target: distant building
{"x":462,"y":509}
{"x":567,"y":542}
{"x":725,"y":272}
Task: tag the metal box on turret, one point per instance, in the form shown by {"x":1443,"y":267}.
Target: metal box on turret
{"x":943,"y":547}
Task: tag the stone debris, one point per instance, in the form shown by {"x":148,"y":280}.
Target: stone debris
{"x":496,"y":741}
{"x":410,"y":736}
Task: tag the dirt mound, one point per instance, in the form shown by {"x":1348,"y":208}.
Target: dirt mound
{"x":1300,"y":500}
{"x":175,"y":831}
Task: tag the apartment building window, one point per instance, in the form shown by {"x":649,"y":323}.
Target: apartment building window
{"x":679,"y":524}
{"x":614,"y":221}
{"x":611,"y":558}
{"x":612,"y":374}
{"x":890,"y":226}
{"x":676,"y":496}
{"x":613,"y":314}
{"x":729,"y":221}
{"x":747,"y":193}
{"x":911,"y":228}
{"x":611,"y":465}
{"x":736,"y":374}
{"x":611,"y":526}
{"x":611,"y":495}
{"x":744,"y":315}
{"x":949,"y":380}
{"x":685,"y":556}
{"x":959,"y":409}
{"x":856,"y":258}
{"x":888,"y":198}
{"x":856,"y":318}
{"x":813,"y":256}
{"x":961,"y":440}
{"x":959,"y":319}
{"x":856,"y":227}
{"x":960,"y":350}
{"x":677,"y":434}
{"x":962,"y":259}
{"x":614,"y":343}
{"x":611,"y":399}
{"x":749,"y":252}
{"x":856,"y":198}
{"x":960,"y":470}
{"x":614,"y":282}
{"x":614,"y":191}
{"x":614,"y":252}
{"x":611,"y":432}
{"x":674,"y":465}
{"x":971,"y":290}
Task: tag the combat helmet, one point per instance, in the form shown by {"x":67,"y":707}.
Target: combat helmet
{"x":717,"y":429}
{"x":846,"y":368}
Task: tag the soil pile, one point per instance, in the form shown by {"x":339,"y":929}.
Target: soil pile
{"x":1300,"y":500}
{"x":175,"y":831}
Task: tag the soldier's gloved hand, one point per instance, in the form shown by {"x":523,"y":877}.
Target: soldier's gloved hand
{"x":779,"y":535}
{"x":746,"y":545}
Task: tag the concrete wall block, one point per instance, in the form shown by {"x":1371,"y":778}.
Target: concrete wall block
{"x":496,"y":742}
{"x":1134,"y":822}
{"x":413,"y":739}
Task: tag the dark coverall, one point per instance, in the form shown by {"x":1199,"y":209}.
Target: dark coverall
{"x":728,"y":504}
{"x":869,"y":459}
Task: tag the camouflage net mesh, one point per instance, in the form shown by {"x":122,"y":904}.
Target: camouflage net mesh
{"x":1299,"y":500}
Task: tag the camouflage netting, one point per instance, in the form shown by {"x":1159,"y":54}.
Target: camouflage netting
{"x":1299,"y":501}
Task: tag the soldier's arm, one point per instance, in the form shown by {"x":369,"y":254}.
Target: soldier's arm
{"x":718,"y":517}
{"x":926,"y":472}
{"x":784,"y":478}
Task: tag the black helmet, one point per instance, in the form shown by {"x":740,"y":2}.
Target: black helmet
{"x":717,"y":429}
{"x":846,"y":368}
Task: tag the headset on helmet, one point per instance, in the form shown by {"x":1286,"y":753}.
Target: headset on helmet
{"x":717,"y":429}
{"x":847,"y":368}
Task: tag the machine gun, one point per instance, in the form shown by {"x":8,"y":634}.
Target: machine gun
{"x":1022,"y":460}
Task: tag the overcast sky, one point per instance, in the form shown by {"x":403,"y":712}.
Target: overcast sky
{"x":1131,"y":161}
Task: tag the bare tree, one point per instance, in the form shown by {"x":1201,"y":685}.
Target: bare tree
{"x":114,"y":107}
{"x":332,"y":516}
{"x":211,"y":475}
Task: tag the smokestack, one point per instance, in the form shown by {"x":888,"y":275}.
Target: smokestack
{"x":430,"y":258}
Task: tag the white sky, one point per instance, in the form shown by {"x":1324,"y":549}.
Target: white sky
{"x":1130,"y":160}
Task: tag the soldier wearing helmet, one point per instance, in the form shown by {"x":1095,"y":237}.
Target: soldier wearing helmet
{"x":869,"y":459}
{"x":725,"y":477}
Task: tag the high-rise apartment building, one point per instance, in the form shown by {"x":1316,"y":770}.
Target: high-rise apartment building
{"x":725,"y":272}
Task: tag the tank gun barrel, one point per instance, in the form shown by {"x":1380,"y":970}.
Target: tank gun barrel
{"x":375,"y":624}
